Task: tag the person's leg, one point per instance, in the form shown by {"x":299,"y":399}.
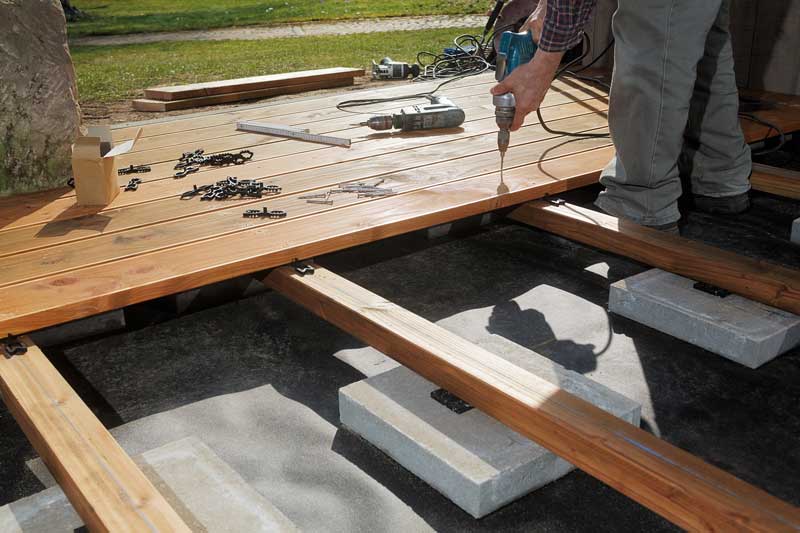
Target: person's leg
{"x":715,"y":155}
{"x":658,"y":46}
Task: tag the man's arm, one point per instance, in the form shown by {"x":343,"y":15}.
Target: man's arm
{"x":563,"y":24}
{"x":561,"y":30}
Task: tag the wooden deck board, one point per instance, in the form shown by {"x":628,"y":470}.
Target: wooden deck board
{"x":31,"y":209}
{"x":58,"y":262}
{"x":290,"y":174}
{"x":421,"y":172}
{"x":91,"y":290}
{"x":210,"y":88}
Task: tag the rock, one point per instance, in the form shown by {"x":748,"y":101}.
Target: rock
{"x":39,"y":113}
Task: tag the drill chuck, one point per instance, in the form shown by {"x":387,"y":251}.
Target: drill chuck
{"x":380,"y":122}
{"x":504,"y":111}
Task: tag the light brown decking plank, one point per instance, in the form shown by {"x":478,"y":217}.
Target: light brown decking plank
{"x":55,"y":299}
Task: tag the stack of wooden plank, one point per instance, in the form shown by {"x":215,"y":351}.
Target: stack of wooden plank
{"x":227,"y":91}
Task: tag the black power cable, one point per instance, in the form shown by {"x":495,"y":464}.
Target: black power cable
{"x":565,"y":70}
{"x":771,"y":126}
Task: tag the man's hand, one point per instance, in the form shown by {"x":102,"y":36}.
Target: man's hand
{"x":529,"y":83}
{"x":535,"y":22}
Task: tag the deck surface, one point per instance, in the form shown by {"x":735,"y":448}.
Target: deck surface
{"x":59,"y":262}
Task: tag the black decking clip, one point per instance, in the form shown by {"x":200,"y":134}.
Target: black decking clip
{"x":185,"y":171}
{"x":264,"y":213}
{"x":133,"y":184}
{"x":304,"y":269}
{"x":712,"y":289}
{"x":451,"y":401}
{"x":133,"y":169}
{"x":13,"y":346}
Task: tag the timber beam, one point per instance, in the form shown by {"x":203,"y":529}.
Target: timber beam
{"x":778,"y":181}
{"x":103,"y":484}
{"x":758,"y":280}
{"x":670,"y":481}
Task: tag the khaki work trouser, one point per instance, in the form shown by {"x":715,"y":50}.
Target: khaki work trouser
{"x":672,"y":109}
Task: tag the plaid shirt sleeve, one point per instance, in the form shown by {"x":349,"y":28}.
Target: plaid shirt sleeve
{"x":563,"y":24}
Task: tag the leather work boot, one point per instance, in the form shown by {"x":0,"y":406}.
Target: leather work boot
{"x":725,"y":205}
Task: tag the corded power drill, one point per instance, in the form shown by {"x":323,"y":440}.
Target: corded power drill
{"x":515,"y":49}
{"x":441,"y":113}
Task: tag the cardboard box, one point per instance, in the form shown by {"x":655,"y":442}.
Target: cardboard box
{"x":94,"y":165}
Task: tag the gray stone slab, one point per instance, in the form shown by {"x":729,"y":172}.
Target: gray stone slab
{"x":734,"y":327}
{"x":207,"y":493}
{"x":474,"y":460}
{"x":80,"y":329}
{"x":282,"y":449}
{"x":795,"y":237}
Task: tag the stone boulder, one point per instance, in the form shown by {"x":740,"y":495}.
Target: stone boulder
{"x":39,"y":113}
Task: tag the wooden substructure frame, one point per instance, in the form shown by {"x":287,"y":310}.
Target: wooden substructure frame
{"x":111,"y":494}
{"x":664,"y":478}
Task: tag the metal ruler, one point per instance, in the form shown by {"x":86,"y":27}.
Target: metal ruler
{"x":289,"y":132}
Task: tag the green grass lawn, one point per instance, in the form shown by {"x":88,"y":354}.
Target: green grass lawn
{"x":106,"y":17}
{"x":108,"y":73}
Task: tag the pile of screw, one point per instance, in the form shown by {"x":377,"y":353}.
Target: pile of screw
{"x":191,"y":162}
{"x":231,"y":188}
{"x":133,"y":184}
{"x":363,"y":190}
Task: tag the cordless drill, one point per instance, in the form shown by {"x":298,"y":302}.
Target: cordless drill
{"x":440,"y":113}
{"x":515,"y":49}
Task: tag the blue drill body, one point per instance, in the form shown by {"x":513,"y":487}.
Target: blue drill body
{"x":515,"y":49}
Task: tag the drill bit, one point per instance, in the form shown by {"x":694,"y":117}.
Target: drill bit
{"x":504,"y":111}
{"x":502,"y":146}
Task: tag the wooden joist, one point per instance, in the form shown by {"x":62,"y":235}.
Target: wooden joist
{"x":146,"y":104}
{"x":253,"y":83}
{"x":776,"y":181}
{"x":670,"y":481}
{"x":755,"y":279}
{"x":104,"y":485}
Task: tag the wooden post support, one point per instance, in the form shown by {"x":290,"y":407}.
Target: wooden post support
{"x":102,"y":482}
{"x":765,"y":282}
{"x":670,"y":481}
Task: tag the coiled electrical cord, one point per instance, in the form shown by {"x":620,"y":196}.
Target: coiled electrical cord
{"x":450,"y":67}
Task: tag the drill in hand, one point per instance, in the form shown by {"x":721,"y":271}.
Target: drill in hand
{"x":515,"y":49}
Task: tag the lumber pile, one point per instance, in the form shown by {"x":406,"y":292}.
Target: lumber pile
{"x":160,"y":99}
